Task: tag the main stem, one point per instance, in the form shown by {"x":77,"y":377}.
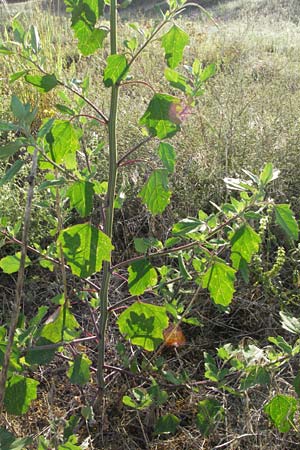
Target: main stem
{"x":109,"y":211}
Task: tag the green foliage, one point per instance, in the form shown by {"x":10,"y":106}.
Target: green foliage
{"x":141,"y":276}
{"x":166,"y":424}
{"x":81,"y":197}
{"x":19,"y":393}
{"x":79,"y":371}
{"x":281,"y":411}
{"x":173,"y":43}
{"x":115,"y":70}
{"x":143,"y":324}
{"x":210,"y":412}
{"x":219,"y":280}
{"x":286,"y":220}
{"x":11,"y":264}
{"x":9,"y":442}
{"x":85,"y":248}
{"x":42,"y":83}
{"x":156,"y":194}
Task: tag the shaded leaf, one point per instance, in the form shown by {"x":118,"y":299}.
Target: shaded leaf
{"x":11,"y":172}
{"x":11,"y":148}
{"x":166,"y":424}
{"x":19,"y":393}
{"x":81,"y":195}
{"x":9,"y":442}
{"x":79,"y":371}
{"x":167,"y":155}
{"x":210,"y":411}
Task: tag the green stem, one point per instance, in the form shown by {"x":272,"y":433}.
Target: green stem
{"x":109,"y":212}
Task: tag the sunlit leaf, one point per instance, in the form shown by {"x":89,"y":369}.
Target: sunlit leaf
{"x":244,"y":244}
{"x":44,"y":83}
{"x":11,"y":264}
{"x":167,"y":155}
{"x":160,"y":117}
{"x":143,"y":325}
{"x":85,"y":248}
{"x":286,"y":220}
{"x":173,"y":43}
{"x":219,"y":280}
{"x":79,"y":371}
{"x":281,"y":410}
{"x":142,"y":275}
{"x":81,"y":197}
{"x":155,"y":193}
{"x":115,"y":70}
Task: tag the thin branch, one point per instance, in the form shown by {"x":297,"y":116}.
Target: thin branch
{"x":59,"y":344}
{"x":20,"y":280}
{"x":133,"y":82}
{"x":134,"y":148}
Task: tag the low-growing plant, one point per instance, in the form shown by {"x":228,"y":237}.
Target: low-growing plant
{"x":203,"y":253}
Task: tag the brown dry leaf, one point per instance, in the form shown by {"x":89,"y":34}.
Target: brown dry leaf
{"x":173,"y":336}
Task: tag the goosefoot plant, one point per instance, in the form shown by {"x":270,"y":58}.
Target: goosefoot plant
{"x":207,"y":251}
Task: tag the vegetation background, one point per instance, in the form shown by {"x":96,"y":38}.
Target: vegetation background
{"x":248,"y":116}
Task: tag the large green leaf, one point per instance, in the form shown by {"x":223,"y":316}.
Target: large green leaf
{"x":11,"y":264}
{"x":141,"y":276}
{"x":210,"y":411}
{"x":79,"y":371}
{"x":85,"y":14}
{"x":155,"y":193}
{"x":85,"y":247}
{"x":219,"y":280}
{"x":173,"y":43}
{"x":19,"y":393}
{"x":63,"y":139}
{"x":281,"y":410}
{"x":144,"y":324}
{"x":289,"y":322}
{"x":167,"y":154}
{"x":244,"y":244}
{"x":43,"y":83}
{"x":161,"y":116}
{"x":10,"y":148}
{"x":81,"y":194}
{"x":178,"y":81}
{"x":115,"y":70}
{"x":286,"y":220}
{"x":9,"y":442}
{"x":61,"y":326}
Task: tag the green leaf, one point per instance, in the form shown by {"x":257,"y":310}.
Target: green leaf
{"x":167,"y":155}
{"x":244,"y":244}
{"x":115,"y":70}
{"x":11,"y":172}
{"x":268,"y":174}
{"x":155,"y":193}
{"x":43,"y":356}
{"x":15,"y":76}
{"x":286,"y":220}
{"x":281,"y":343}
{"x":210,"y":412}
{"x":64,"y":141}
{"x":143,"y":244}
{"x":162,"y":116}
{"x":173,"y":43}
{"x":35,"y":39}
{"x":11,"y":264}
{"x":17,"y":107}
{"x":211,"y":370}
{"x":19,"y":393}
{"x":187,"y":226}
{"x":208,"y":72}
{"x":5,"y":126}
{"x":142,"y":275}
{"x":5,"y":51}
{"x":11,"y":148}
{"x":65,"y":109}
{"x":142,"y":399}
{"x":219,"y":280}
{"x":166,"y":424}
{"x":44,"y":83}
{"x":178,"y":81}
{"x":85,"y":15}
{"x":9,"y":442}
{"x":14,"y":361}
{"x":70,"y":444}
{"x":257,"y":376}
{"x":81,"y":197}
{"x":290,"y":322}
{"x":79,"y":371}
{"x":296,"y":384}
{"x":144,"y":324}
{"x":61,"y":326}
{"x":281,"y":410}
{"x":85,"y":247}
